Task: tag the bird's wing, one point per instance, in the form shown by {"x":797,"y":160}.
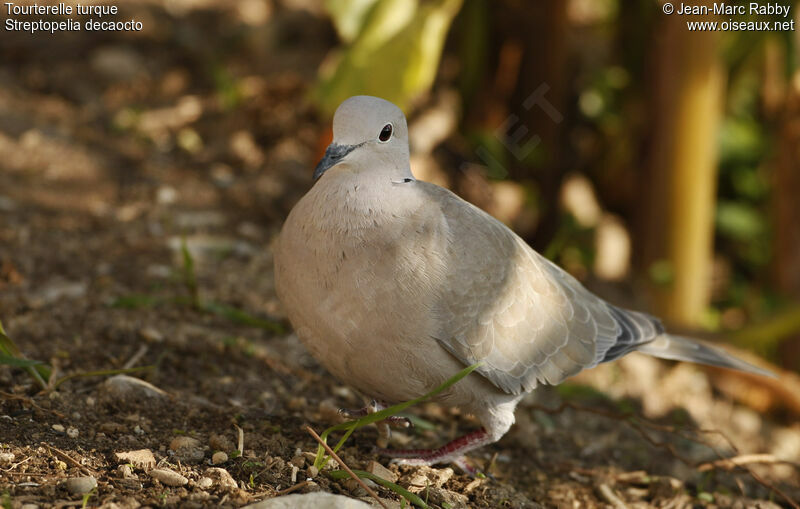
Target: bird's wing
{"x":526,"y":319}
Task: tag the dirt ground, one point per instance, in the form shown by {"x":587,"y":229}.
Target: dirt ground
{"x":114,"y":148}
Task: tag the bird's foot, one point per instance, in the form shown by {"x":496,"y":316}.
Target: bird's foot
{"x":452,"y":452}
{"x":396,"y":421}
{"x":384,"y":430}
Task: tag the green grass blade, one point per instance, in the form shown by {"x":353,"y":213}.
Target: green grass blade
{"x":189,"y":275}
{"x":351,"y":426}
{"x":17,"y":362}
{"x":242,"y":317}
{"x":411,"y":497}
{"x":39,"y":371}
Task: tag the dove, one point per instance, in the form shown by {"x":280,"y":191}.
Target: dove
{"x":395,"y":284}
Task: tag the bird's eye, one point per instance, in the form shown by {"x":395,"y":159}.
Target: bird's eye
{"x":386,"y":133}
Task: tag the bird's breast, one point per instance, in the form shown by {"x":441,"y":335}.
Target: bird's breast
{"x":364,"y":289}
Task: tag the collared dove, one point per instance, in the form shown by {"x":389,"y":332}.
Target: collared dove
{"x":395,"y":284}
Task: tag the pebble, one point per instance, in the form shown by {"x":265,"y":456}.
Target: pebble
{"x":219,"y":457}
{"x":125,"y":471}
{"x":187,"y":449}
{"x":81,"y":485}
{"x":168,"y":477}
{"x":127,"y":390}
{"x":220,"y":443}
{"x":151,"y":335}
{"x":6,"y":458}
{"x":142,"y":459}
{"x":376,"y":468}
{"x":427,"y":476}
{"x":317,"y":500}
{"x":312,"y":471}
{"x":446,"y":498}
{"x":73,"y":432}
{"x":58,"y":427}
{"x":205,"y":482}
{"x":57,"y":290}
{"x":221,"y":476}
{"x":183,"y":441}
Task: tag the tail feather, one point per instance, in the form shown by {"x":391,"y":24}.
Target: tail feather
{"x":678,"y":348}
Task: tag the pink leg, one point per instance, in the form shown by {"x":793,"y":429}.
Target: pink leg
{"x":453,"y":452}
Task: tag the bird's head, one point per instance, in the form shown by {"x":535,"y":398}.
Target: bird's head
{"x":369,"y":133}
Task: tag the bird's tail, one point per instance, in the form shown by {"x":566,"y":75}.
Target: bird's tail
{"x":678,"y":348}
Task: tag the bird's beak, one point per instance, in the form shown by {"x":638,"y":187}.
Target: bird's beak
{"x":333,"y":154}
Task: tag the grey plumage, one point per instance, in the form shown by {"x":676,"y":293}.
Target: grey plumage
{"x":395,"y":284}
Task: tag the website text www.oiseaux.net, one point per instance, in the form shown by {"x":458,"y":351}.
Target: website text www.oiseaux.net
{"x":767,"y":12}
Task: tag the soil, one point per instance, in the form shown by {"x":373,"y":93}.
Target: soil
{"x":118,"y":149}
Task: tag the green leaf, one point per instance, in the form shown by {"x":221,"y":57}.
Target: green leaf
{"x":395,"y":54}
{"x":348,"y":16}
{"x":411,"y":497}
{"x":739,"y":220}
{"x":18,"y":362}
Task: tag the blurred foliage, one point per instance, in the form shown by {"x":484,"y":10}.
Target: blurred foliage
{"x":393,"y":49}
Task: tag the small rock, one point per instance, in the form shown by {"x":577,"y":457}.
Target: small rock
{"x":312,"y":471}
{"x":166,"y":195}
{"x":6,"y":458}
{"x":168,"y":477}
{"x":355,"y":488}
{"x":125,"y":471}
{"x":426,"y":476}
{"x":142,"y":459}
{"x":132,"y":484}
{"x":205,"y":482}
{"x":221,"y":443}
{"x":221,"y":476}
{"x":112,"y":427}
{"x":219,"y":457}
{"x":376,"y":468}
{"x":151,"y":335}
{"x":187,"y":449}
{"x":58,"y":290}
{"x":298,"y":461}
{"x":317,"y":500}
{"x":127,"y":390}
{"x":183,"y":441}
{"x":73,"y":432}
{"x":58,"y":428}
{"x":81,"y":485}
{"x":446,"y":498}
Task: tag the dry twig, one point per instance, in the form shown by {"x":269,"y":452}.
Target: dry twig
{"x":611,"y":497}
{"x":345,"y":467}
{"x":66,"y":457}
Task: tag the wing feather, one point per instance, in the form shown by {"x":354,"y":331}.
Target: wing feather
{"x":529,"y":321}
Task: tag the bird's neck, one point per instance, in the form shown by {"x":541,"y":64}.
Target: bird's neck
{"x":345,"y":201}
